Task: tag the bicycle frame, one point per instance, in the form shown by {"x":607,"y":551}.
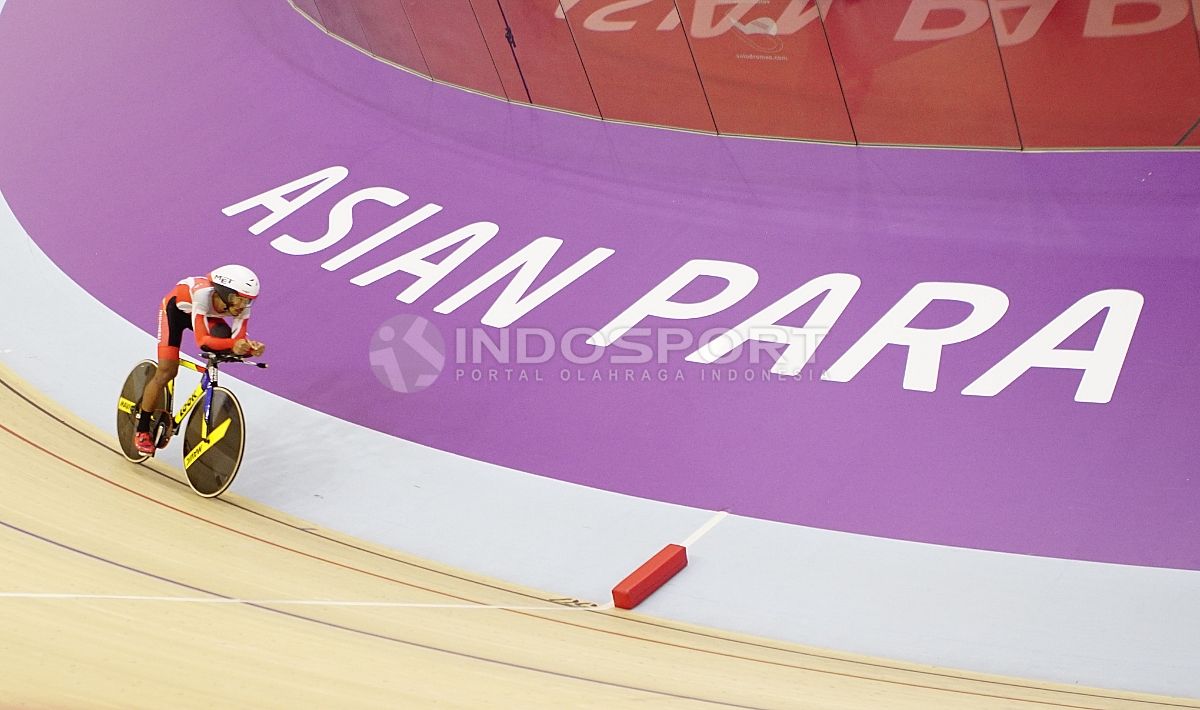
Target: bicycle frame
{"x":208,"y":380}
{"x":218,"y":424}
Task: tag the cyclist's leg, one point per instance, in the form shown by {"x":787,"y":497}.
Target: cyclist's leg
{"x":167,"y":369}
{"x":171,"y":324}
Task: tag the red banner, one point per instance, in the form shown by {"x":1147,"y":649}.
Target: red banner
{"x":924,"y":72}
{"x":1102,"y":72}
{"x":638,"y":62}
{"x":341,"y":19}
{"x":547,"y":57}
{"x":1068,"y":73}
{"x":490,"y":19}
{"x":389,"y":34}
{"x":766,"y":69}
{"x":309,"y":7}
{"x":452,"y":43}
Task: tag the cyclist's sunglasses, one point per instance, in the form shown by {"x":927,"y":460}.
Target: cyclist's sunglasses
{"x":237,"y":300}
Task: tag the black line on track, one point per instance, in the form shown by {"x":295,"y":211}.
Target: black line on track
{"x":645,"y":622}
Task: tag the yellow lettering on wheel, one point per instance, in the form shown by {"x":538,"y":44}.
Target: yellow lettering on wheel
{"x":207,"y":443}
{"x":125,"y":405}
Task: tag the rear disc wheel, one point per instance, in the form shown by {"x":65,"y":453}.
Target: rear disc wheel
{"x":129,"y":404}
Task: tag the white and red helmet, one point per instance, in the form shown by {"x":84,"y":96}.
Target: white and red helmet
{"x":234,"y":278}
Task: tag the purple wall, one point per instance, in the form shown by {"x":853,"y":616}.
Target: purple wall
{"x":121,"y":165}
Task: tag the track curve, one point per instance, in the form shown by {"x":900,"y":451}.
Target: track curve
{"x":123,"y":588}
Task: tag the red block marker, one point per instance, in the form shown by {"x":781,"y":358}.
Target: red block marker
{"x":650,"y":576}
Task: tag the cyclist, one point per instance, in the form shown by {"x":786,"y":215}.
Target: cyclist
{"x":199,"y":304}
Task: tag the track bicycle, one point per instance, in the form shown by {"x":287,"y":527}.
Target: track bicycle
{"x":215,"y":437}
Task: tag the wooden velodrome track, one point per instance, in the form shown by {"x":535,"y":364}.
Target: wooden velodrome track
{"x":122,"y":588}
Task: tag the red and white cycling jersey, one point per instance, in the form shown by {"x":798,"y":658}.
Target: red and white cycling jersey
{"x":194,"y":296}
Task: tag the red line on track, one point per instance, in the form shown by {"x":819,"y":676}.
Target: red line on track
{"x":851,"y":676}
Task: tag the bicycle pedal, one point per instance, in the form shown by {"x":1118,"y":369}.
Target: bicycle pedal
{"x":163,"y":437}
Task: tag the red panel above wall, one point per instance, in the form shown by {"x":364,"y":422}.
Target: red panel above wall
{"x":638,"y":61}
{"x":766,"y":69}
{"x":1101,"y":73}
{"x":1192,"y":138}
{"x":389,"y":34}
{"x":491,"y":23}
{"x":924,"y":72}
{"x":1069,"y":73}
{"x":453,"y":45}
{"x":309,"y":7}
{"x":341,"y":18}
{"x":547,"y":56}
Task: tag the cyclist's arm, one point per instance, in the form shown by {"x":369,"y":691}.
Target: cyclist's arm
{"x":204,"y":339}
{"x":241,"y":326}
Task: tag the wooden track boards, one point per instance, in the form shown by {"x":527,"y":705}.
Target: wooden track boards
{"x":122,"y":588}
